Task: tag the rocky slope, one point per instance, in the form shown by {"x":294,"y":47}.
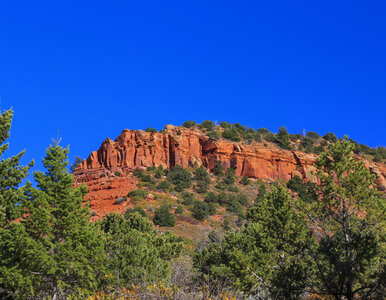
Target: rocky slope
{"x":187,"y":147}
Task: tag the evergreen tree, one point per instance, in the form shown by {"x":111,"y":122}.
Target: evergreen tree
{"x":163,"y":216}
{"x":135,"y":253}
{"x":11,"y":174}
{"x":13,"y":238}
{"x":62,"y":251}
{"x":349,"y":223}
{"x":266,"y":258}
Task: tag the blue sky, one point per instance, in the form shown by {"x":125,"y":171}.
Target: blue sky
{"x":89,"y":69}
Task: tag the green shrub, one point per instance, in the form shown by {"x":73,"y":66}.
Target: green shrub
{"x":158,"y":173}
{"x":180,"y":177}
{"x":233,"y":188}
{"x":282,"y":139}
{"x":163,"y":217}
{"x":229,"y":177}
{"x":312,"y":135}
{"x":179,"y":210}
{"x":201,"y":210}
{"x":188,"y":198}
{"x":138,"y":173}
{"x":218,"y":168}
{"x":207,"y":124}
{"x":116,"y":173}
{"x":245,"y":180}
{"x":138,"y":193}
{"x":165,"y":186}
{"x":211,"y":198}
{"x":189,"y":124}
{"x":136,"y":210}
{"x":331,"y":137}
{"x":149,"y":129}
{"x":213,"y":134}
{"x":231,"y":134}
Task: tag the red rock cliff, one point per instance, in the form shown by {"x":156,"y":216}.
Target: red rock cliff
{"x":185,"y":147}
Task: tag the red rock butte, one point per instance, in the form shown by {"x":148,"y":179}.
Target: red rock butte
{"x":188,"y":147}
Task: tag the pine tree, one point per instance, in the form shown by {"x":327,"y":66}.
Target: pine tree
{"x":55,"y":250}
{"x":135,"y":253}
{"x":266,"y":258}
{"x":11,"y":174}
{"x":12,"y":235}
{"x":349,"y":223}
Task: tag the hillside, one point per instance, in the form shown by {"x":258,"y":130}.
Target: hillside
{"x":111,"y":173}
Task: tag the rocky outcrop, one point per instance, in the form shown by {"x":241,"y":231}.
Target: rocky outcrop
{"x":189,"y":147}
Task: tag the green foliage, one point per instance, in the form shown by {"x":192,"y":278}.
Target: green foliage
{"x":163,"y":216}
{"x":118,"y":174}
{"x":231,"y":133}
{"x":180,"y":177}
{"x":137,"y":209}
{"x":331,"y":137}
{"x":76,"y":163}
{"x":201,"y":210}
{"x":282,"y":139}
{"x":213,"y":134}
{"x":11,"y":174}
{"x":245,"y":180}
{"x":229,"y":177}
{"x":218,"y":168}
{"x":165,"y":186}
{"x":138,"y":173}
{"x":138,"y":193}
{"x":188,"y":198}
{"x":189,"y":124}
{"x":179,"y":210}
{"x":149,"y":129}
{"x":349,"y":223}
{"x":306,"y":190}
{"x":135,"y":253}
{"x":62,"y":251}
{"x":265,"y":258}
{"x":201,"y":176}
{"x":312,"y":135}
{"x":207,"y":124}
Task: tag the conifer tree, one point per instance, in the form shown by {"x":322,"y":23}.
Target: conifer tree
{"x":11,"y":174}
{"x":12,"y":235}
{"x":55,"y":250}
{"x":349,"y":222}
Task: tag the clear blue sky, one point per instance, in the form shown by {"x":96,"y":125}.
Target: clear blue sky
{"x":92,"y":68}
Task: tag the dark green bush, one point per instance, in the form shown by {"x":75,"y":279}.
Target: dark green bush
{"x":138,"y":173}
{"x":189,"y":124}
{"x":138,"y":193}
{"x":180,"y":177}
{"x":207,"y":124}
{"x":165,"y":186}
{"x":331,"y":137}
{"x":188,"y":198}
{"x":218,"y":168}
{"x":163,"y":217}
{"x":149,"y":129}
{"x":312,"y":135}
{"x":179,"y":210}
{"x":136,"y":210}
{"x":229,"y":177}
{"x":245,"y":180}
{"x":201,"y":210}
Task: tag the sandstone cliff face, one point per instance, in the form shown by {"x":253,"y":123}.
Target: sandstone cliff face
{"x":186,"y":147}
